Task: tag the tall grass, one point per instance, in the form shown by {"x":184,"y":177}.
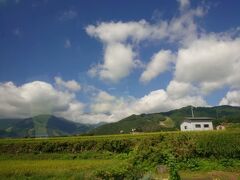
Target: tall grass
{"x":59,"y":169}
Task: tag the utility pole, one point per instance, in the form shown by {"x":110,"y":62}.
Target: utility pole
{"x":192,"y":111}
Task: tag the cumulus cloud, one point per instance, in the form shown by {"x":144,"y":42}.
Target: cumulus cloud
{"x":124,"y":36}
{"x":210,"y":62}
{"x":42,"y":98}
{"x":159,"y":63}
{"x":103,"y":103}
{"x":177,"y":28}
{"x":34,"y":98}
{"x":71,"y":85}
{"x":116,"y":108}
{"x":160,"y":101}
{"x":111,"y":32}
{"x":119,"y":59}
{"x":232,"y":98}
{"x":74,"y":112}
{"x":177,"y":89}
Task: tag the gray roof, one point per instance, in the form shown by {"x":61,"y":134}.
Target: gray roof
{"x":201,"y":118}
{"x":198,"y":119}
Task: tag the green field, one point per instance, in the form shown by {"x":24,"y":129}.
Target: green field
{"x":59,"y":169}
{"x":87,"y":168}
{"x":192,"y":155}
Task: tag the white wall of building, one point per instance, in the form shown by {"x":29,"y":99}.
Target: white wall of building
{"x":196,"y":126}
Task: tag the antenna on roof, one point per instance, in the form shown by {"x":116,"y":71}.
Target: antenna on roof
{"x":192,"y":111}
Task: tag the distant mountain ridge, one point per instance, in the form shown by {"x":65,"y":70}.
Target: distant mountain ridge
{"x":41,"y":126}
{"x":49,"y":125}
{"x":170,"y":120}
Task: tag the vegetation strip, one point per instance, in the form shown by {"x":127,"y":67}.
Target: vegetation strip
{"x":133,"y":156}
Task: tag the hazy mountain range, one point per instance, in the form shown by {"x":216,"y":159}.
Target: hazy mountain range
{"x":41,"y":126}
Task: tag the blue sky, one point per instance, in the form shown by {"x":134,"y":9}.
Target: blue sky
{"x":104,"y":60}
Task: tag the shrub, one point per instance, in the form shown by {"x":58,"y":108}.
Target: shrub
{"x":119,"y":173}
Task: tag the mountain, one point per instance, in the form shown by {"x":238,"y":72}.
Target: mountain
{"x":41,"y":126}
{"x":169,"y":120}
{"x":48,"y":125}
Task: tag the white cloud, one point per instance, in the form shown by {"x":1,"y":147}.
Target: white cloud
{"x":183,"y":4}
{"x":210,"y":62}
{"x":112,"y":32}
{"x":93,"y":118}
{"x":116,"y":108}
{"x":104,"y":96}
{"x":93,"y":71}
{"x":181,"y":89}
{"x":120,"y":38}
{"x":160,"y":101}
{"x":74,"y":112}
{"x":119,"y":59}
{"x":105,"y":107}
{"x":103,"y":103}
{"x":71,"y":85}
{"x":177,"y":28}
{"x":160,"y":62}
{"x":232,"y":98}
{"x":42,"y":98}
{"x":34,"y":98}
{"x":183,"y":29}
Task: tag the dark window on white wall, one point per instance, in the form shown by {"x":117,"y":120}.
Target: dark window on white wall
{"x":206,"y":125}
{"x":197,"y":125}
{"x":185,"y":127}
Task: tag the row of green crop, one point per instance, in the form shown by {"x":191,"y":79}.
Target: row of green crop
{"x":83,"y":138}
{"x":182,"y":145}
{"x":118,"y":146}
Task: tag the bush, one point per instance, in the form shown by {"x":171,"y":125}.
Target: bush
{"x":119,"y":173}
{"x":189,"y":164}
{"x":227,"y":162}
{"x":174,"y":174}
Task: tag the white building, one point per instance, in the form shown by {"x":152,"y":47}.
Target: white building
{"x":197,"y":124}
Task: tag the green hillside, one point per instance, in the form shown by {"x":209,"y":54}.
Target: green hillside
{"x":143,"y":122}
{"x":228,"y":114}
{"x":41,"y":126}
{"x":169,"y":120}
{"x":5,"y":123}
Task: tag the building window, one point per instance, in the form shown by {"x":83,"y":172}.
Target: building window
{"x":185,"y":127}
{"x":197,"y":125}
{"x":206,"y":125}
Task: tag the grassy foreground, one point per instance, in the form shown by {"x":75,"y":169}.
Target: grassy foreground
{"x":195,"y":155}
{"x":56,"y":169}
{"x":89,"y":165}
